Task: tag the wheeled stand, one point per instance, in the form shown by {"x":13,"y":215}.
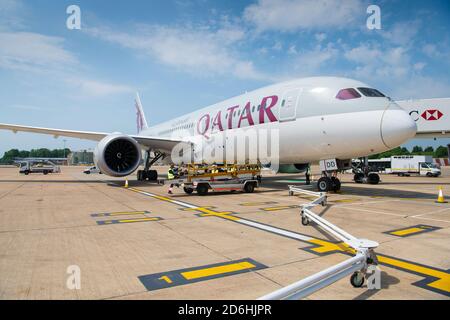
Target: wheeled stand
{"x":147,"y":174}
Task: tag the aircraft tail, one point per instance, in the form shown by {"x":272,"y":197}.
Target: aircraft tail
{"x":141,"y":122}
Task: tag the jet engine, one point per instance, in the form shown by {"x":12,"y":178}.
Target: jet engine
{"x":118,"y":155}
{"x":293,"y":168}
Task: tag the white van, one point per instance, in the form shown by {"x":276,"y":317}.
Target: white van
{"x":421,"y":165}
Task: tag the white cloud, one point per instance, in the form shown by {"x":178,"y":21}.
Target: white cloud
{"x":320,"y":36}
{"x":309,"y":63}
{"x":96,"y":88}
{"x":401,"y":33}
{"x":25,"y":107}
{"x":277,"y":46}
{"x":430,"y":50}
{"x":292,"y":49}
{"x":33,"y":52}
{"x":419,"y":66}
{"x":199,"y":51}
{"x":28,"y":52}
{"x":420,"y":87}
{"x":11,"y":14}
{"x":293,"y":15}
{"x":374,"y":61}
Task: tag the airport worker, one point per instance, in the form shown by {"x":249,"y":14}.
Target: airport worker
{"x":170,"y":176}
{"x":307,"y":176}
{"x":175,"y":170}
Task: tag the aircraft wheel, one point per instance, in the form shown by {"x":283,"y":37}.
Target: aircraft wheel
{"x":336,"y":184}
{"x":151,"y":175}
{"x":358,"y":177}
{"x":188,"y":190}
{"x":45,"y":172}
{"x":202,"y":189}
{"x":324,"y":184}
{"x":139,"y":175}
{"x":373,"y":178}
{"x":249,"y":187}
{"x":357,"y":279}
{"x":27,"y":172}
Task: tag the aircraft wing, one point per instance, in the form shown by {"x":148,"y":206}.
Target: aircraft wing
{"x":147,"y":141}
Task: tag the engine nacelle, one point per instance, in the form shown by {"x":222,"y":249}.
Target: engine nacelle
{"x":293,"y":168}
{"x":118,"y":155}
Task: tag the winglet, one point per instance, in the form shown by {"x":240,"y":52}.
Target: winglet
{"x":141,"y":122}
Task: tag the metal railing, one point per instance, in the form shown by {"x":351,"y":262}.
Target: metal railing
{"x":356,"y":265}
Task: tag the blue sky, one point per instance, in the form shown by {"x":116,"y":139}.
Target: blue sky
{"x":183,"y":55}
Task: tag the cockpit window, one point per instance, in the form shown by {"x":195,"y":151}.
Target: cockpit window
{"x":346,"y":94}
{"x":369,"y":92}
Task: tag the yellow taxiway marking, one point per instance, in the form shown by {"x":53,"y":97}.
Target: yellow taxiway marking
{"x":443,"y":278}
{"x":248,"y":204}
{"x":406,"y":231}
{"x":125,"y":213}
{"x":222,"y":214}
{"x":326,"y":246}
{"x":442,"y":284}
{"x":280,"y":208}
{"x":137,"y":220}
{"x":127,"y":220}
{"x":207,"y":272}
{"x":344,"y":200}
{"x":412,"y":230}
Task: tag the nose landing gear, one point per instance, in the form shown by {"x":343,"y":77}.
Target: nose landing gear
{"x":327,"y":183}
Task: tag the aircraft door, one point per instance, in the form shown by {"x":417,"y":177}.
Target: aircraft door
{"x":289,"y":105}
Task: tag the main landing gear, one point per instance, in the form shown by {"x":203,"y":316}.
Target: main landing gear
{"x":363,"y":173}
{"x":328,"y":183}
{"x":147,"y":174}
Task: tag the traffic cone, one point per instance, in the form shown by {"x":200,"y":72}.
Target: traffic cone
{"x":441,"y":197}
{"x":126,"y":183}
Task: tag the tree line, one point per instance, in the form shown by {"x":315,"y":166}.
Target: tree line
{"x":439,"y":152}
{"x":10,"y":155}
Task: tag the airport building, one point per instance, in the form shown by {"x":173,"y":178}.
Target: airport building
{"x":82,"y":157}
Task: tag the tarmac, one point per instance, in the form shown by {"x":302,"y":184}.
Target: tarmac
{"x":78,"y":236}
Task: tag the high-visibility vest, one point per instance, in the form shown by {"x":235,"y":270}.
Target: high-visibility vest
{"x":170,"y":174}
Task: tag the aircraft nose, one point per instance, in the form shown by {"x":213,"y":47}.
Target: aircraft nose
{"x":396,"y":126}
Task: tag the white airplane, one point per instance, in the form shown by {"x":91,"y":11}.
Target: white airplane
{"x":329,"y":119}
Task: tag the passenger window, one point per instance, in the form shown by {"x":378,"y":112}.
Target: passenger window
{"x":347,"y":94}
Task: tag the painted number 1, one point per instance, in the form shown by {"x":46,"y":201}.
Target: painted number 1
{"x":166,"y":279}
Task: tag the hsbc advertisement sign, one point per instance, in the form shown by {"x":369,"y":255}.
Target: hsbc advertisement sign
{"x":430,"y":114}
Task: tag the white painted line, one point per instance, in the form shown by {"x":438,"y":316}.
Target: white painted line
{"x":377,"y":212}
{"x":183,"y":204}
{"x":360,"y":203}
{"x":275,"y":230}
{"x":430,"y":219}
{"x":432,"y":212}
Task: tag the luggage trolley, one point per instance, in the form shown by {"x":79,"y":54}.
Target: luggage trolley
{"x":220,"y":177}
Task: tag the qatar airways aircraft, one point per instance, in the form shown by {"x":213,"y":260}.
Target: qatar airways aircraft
{"x":327,"y":119}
